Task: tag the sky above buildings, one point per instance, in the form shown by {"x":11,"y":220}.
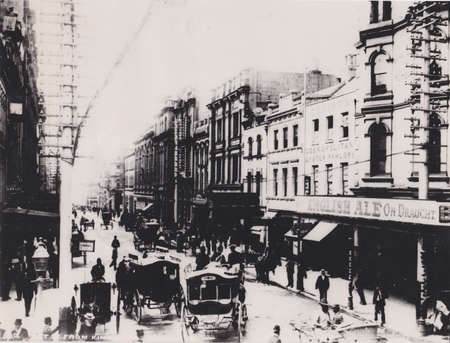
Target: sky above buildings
{"x":199,"y":44}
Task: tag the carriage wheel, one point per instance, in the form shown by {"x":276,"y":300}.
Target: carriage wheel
{"x":118,"y":314}
{"x":177,"y":304}
{"x":184,"y":329}
{"x":239,"y":326}
{"x":136,"y":307}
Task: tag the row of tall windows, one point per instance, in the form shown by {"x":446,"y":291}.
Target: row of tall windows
{"x":258,"y":146}
{"x":256,"y":180}
{"x":285,"y":181}
{"x":286,"y":137}
{"x":329,"y":171}
{"x":330,"y":126}
{"x":235,"y":128}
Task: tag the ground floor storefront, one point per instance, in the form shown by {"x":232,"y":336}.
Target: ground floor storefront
{"x":402,"y":246}
{"x":29,"y":234}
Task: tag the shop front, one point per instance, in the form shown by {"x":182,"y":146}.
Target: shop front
{"x":25,"y":234}
{"x":232,"y":214}
{"x":398,"y":244}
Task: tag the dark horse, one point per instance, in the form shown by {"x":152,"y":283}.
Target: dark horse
{"x":265,"y":264}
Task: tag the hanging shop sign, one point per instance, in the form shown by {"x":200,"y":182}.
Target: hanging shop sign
{"x":399,"y":210}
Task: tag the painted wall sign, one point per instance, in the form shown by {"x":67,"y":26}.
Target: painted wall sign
{"x":342,"y":151}
{"x":399,"y":210}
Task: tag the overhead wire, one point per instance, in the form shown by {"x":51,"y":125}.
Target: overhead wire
{"x":108,"y":77}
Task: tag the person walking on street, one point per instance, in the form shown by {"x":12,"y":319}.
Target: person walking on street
{"x":29,"y":286}
{"x":276,"y":335}
{"x":19,"y":272}
{"x":115,"y":245}
{"x":98,"y":271}
{"x":323,"y":284}
{"x":290,"y":265}
{"x":202,"y":259}
{"x":359,"y":289}
{"x":19,"y":333}
{"x":379,"y":300}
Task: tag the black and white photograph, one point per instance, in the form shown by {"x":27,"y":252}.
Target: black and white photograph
{"x":246,"y":171}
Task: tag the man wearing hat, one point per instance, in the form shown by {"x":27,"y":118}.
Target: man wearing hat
{"x":322,"y":284}
{"x":234,"y":257}
{"x":276,"y":335}
{"x":19,"y":333}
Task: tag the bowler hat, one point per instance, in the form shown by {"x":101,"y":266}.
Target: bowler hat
{"x":276,"y":328}
{"x":18,"y":321}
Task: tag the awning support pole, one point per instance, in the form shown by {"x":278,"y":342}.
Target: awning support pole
{"x":301,"y":270}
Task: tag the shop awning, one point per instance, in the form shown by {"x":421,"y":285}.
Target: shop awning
{"x":290,"y":235}
{"x":320,"y":231}
{"x":269,"y":215}
{"x":258,"y":229}
{"x":28,"y":212}
{"x":148,"y":207}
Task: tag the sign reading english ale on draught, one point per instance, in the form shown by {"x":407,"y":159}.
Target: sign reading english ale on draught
{"x":399,"y":210}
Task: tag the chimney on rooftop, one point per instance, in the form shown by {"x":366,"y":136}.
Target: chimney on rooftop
{"x":350,"y":61}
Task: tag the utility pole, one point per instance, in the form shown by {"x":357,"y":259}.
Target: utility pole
{"x":300,"y":266}
{"x":427,"y":74}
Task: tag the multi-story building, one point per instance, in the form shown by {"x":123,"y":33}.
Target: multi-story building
{"x":233,"y":104}
{"x":200,"y":169}
{"x":129,"y":174}
{"x":25,"y":212}
{"x":143,"y":195}
{"x":164,"y":167}
{"x":186,"y":114}
{"x":373,"y":160}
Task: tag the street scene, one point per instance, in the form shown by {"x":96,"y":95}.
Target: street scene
{"x":224,"y":171}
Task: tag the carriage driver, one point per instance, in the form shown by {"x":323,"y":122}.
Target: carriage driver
{"x":98,"y":271}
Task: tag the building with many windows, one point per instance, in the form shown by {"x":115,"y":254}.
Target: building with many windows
{"x":129,"y":174}
{"x":233,"y":108}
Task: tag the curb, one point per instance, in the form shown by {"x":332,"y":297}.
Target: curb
{"x":355,"y":315}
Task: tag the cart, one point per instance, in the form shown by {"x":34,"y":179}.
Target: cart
{"x":155,"y":284}
{"x":95,"y":307}
{"x":145,"y":237}
{"x":214,"y":304}
{"x":106,"y":217}
{"x":77,"y":237}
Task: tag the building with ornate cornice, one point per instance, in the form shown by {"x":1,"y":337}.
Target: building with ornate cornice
{"x":232,"y":110}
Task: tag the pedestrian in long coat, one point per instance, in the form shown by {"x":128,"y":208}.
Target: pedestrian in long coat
{"x":29,"y":286}
{"x":290,"y":265}
{"x":323,"y":284}
{"x":115,"y":244}
{"x":379,"y":300}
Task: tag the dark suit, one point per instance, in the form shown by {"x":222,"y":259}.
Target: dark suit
{"x":29,"y":287}
{"x":322,"y":284}
{"x":379,"y":300}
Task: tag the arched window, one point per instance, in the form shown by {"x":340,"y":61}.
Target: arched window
{"x":377,"y":133}
{"x":379,"y":74}
{"x":250,"y":146}
{"x":258,"y":145}
{"x":434,"y":146}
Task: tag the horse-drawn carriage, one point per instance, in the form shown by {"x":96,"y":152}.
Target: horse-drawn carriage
{"x":146,"y":236}
{"x":154,"y":285}
{"x":106,"y":217}
{"x":94,"y":308}
{"x":77,"y":237}
{"x":214,"y":302}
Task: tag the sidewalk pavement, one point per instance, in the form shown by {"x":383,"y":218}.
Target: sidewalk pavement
{"x":400,"y":315}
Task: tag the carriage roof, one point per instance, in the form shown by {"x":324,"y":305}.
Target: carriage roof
{"x":215,"y":269}
{"x":153,"y":259}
